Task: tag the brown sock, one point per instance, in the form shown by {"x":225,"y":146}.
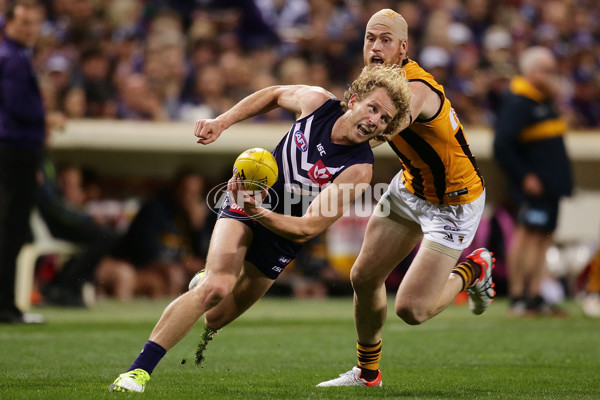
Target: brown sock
{"x":468,"y":271}
{"x":368,"y":360}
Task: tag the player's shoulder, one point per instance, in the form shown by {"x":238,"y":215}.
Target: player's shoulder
{"x":310,"y":99}
{"x":419,"y":79}
{"x":11,"y":58}
{"x":518,"y":101}
{"x":414,"y":71}
{"x":319,"y":92}
{"x":314,"y":97}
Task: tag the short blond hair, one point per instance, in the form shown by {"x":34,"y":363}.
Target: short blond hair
{"x":393,"y":80}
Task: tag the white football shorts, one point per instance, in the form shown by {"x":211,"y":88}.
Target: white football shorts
{"x":453,"y":226}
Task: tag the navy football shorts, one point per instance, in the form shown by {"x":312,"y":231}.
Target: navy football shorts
{"x":539,"y":214}
{"x":270,"y":253}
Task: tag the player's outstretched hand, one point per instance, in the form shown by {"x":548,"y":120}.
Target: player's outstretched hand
{"x":208,"y":130}
{"x":242,"y":197}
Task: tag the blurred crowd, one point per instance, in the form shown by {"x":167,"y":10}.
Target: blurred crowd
{"x":185,"y":60}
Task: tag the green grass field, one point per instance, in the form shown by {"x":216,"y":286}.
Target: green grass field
{"x":281,"y":348}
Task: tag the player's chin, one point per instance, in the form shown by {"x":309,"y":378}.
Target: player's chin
{"x":360,"y":137}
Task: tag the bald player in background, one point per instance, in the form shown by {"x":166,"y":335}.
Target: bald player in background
{"x":437,"y":199}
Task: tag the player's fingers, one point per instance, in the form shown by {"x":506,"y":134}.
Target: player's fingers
{"x":198,"y":128}
{"x":204,"y":132}
{"x":264,"y":193}
{"x":231,"y":184}
{"x":239,"y":183}
{"x":249,"y":201}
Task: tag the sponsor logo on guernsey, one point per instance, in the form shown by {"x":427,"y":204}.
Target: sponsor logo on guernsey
{"x":451,"y":228}
{"x":300,"y":140}
{"x":319,"y":173}
{"x":321,"y":149}
{"x":458,"y":192}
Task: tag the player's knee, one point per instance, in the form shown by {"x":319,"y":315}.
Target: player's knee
{"x":410,"y":314}
{"x":215,"y":322}
{"x":362,"y":280}
{"x":216,"y":289}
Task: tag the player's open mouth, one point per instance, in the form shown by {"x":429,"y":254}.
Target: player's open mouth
{"x":376,"y":60}
{"x":363,"y":130}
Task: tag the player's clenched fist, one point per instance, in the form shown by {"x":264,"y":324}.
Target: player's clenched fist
{"x":208,"y":130}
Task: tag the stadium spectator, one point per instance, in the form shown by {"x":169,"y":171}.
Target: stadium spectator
{"x":22,"y":137}
{"x":164,"y":246}
{"x":250,"y":246}
{"x":61,"y":199}
{"x":585,"y":100}
{"x":164,"y":60}
{"x":75,"y":103}
{"x":207,"y":97}
{"x":437,"y":199}
{"x":138,"y":101}
{"x":289,"y":19}
{"x":529,"y":147}
{"x":58,"y":71}
{"x":95,"y":80}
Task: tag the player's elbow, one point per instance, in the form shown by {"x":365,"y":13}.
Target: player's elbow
{"x":304,"y":236}
{"x":307,"y":228}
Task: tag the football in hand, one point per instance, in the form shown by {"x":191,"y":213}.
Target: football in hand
{"x":257,"y":168}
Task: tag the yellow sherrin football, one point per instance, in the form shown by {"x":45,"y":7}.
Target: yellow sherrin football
{"x":257,"y":168}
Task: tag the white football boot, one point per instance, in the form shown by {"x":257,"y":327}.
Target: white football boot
{"x":352,"y":378}
{"x":481,"y":293}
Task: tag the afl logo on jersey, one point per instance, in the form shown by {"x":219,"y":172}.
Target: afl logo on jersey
{"x":300,"y":141}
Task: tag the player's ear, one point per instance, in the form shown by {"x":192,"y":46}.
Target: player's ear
{"x":403,"y":47}
{"x":353,"y":100}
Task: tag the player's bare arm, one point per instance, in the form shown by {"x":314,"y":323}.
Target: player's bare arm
{"x":324,"y":210}
{"x":299,"y":99}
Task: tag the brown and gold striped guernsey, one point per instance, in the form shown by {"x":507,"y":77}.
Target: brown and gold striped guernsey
{"x":438,"y":164}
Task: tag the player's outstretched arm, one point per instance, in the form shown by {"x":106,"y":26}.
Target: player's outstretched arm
{"x":299,"y":99}
{"x":324,"y":210}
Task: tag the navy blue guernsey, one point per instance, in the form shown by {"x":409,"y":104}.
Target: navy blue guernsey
{"x":308,"y":161}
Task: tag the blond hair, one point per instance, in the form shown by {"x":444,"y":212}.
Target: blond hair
{"x":393,"y":80}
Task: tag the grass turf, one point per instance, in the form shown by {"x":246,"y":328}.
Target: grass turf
{"x":281,"y":348}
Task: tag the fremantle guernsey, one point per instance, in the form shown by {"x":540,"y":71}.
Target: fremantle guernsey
{"x":308,"y":162}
